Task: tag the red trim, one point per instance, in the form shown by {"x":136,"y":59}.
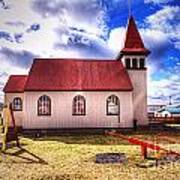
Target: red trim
{"x":10,"y":91}
{"x":105,"y":90}
{"x":137,"y":69}
{"x":128,"y":51}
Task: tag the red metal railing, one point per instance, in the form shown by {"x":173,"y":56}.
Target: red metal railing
{"x":143,"y":144}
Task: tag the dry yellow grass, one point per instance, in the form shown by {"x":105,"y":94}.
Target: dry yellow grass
{"x":73,"y":157}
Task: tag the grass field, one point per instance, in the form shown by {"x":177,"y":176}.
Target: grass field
{"x":73,"y":157}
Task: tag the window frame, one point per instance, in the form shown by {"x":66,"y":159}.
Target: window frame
{"x":38,"y":105}
{"x":21,"y":104}
{"x":107,"y":106}
{"x":77,"y":99}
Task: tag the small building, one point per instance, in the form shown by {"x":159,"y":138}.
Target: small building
{"x":169,"y":111}
{"x":153,"y":108}
{"x":83,"y":93}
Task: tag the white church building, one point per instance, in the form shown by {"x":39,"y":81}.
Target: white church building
{"x":83,"y":93}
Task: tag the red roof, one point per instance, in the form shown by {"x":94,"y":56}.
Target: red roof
{"x":69,"y":74}
{"x":133,"y":42}
{"x":15,"y":84}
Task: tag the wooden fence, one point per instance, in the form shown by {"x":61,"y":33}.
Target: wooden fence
{"x":165,"y":119}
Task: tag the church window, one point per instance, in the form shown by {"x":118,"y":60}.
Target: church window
{"x":17,"y":104}
{"x":134,"y":63}
{"x":128,"y":63}
{"x":79,"y":105}
{"x":142,"y":63}
{"x":44,"y":106}
{"x":113,"y":105}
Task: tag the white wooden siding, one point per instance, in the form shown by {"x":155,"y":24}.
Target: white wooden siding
{"x":19,"y":115}
{"x":61,"y":115}
{"x":139,"y":81}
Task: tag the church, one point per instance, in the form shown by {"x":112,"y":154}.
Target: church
{"x":83,"y":93}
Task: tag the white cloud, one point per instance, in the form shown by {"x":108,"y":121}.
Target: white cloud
{"x":155,"y":40}
{"x":116,"y":38}
{"x":40,"y":42}
{"x":162,"y":89}
{"x":88,"y":14}
{"x":51,"y":15}
{"x":88,"y":45}
{"x":85,"y":16}
{"x":161,"y":34}
{"x":158,"y":43}
{"x":158,"y":1}
{"x":7,"y":69}
{"x":21,"y":58}
{"x":166,"y":21}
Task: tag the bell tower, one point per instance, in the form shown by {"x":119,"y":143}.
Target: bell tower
{"x":133,"y":55}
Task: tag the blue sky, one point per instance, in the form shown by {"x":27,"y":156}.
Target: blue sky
{"x":91,"y":29}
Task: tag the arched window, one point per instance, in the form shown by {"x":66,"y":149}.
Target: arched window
{"x":17,"y":104}
{"x":113,"y":105}
{"x":44,"y":106}
{"x":79,"y":105}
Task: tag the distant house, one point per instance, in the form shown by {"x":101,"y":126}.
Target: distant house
{"x":153,"y":108}
{"x":82,"y":93}
{"x":169,"y":111}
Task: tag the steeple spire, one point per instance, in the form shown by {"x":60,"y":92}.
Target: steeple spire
{"x":133,"y":42}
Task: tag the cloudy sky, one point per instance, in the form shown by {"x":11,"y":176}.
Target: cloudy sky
{"x":91,"y":29}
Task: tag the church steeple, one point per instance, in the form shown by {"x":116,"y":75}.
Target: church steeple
{"x":134,"y":53}
{"x":133,"y":44}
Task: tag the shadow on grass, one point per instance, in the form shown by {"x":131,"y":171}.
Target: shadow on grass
{"x":84,"y":139}
{"x":11,"y":145}
{"x":97,"y":139}
{"x":30,"y":158}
